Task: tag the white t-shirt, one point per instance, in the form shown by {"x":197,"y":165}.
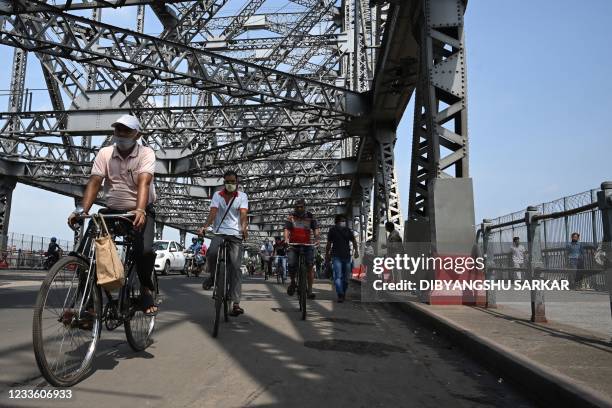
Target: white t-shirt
{"x":231,"y":223}
{"x":518,"y":254}
{"x":267,"y":249}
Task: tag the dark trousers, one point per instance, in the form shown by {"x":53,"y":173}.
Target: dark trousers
{"x":145,"y":255}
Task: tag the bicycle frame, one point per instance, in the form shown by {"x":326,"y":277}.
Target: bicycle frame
{"x":86,"y":246}
{"x":302,"y":276}
{"x":221,"y":299}
{"x":221,"y":255}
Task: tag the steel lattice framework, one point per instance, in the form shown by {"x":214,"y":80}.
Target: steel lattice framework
{"x":301,"y":97}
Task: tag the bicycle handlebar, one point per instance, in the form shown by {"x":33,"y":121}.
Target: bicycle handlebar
{"x":126,"y":215}
{"x":215,"y":234}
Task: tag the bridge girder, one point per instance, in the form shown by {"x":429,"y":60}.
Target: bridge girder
{"x":307,"y":110}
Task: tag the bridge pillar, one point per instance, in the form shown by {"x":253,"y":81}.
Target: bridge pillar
{"x":386,"y":193}
{"x":538,"y":310}
{"x":182,"y":236}
{"x":441,"y":197}
{"x":7,"y":185}
{"x":604,"y":199}
{"x":159,"y":229}
{"x":365,"y":208}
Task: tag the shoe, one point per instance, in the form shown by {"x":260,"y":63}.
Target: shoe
{"x":291,"y":289}
{"x":311,"y":296}
{"x":86,"y":320}
{"x":340,"y":299}
{"x":236,"y":311}
{"x":207,"y":284}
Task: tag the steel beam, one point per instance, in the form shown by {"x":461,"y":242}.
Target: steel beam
{"x":440,"y":140}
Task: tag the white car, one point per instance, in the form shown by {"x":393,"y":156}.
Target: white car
{"x":169,"y":256}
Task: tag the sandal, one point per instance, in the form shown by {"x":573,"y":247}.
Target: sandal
{"x":86,"y":319}
{"x":147,"y":302}
{"x":236,"y":311}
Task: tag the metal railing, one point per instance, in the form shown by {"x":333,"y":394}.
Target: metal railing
{"x":547,"y":230}
{"x":25,"y":251}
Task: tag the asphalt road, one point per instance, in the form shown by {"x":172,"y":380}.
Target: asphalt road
{"x":352,"y":354}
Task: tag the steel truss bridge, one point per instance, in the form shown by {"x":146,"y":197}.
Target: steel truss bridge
{"x":302,"y":98}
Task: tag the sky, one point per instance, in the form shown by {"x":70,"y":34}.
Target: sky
{"x":538,"y":106}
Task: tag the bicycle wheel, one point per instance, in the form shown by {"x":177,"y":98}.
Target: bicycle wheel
{"x":276,"y":272}
{"x":226,"y":293}
{"x":219,"y":296}
{"x":138,"y":326}
{"x":67,"y":322}
{"x":302,"y":288}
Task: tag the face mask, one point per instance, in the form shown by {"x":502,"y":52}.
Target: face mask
{"x":124,"y":143}
{"x":341,"y":224}
{"x":230,"y":187}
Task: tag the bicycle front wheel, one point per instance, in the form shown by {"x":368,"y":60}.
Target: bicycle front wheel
{"x":302,"y":290}
{"x":138,"y":326}
{"x":67,"y":322}
{"x":219,"y":296}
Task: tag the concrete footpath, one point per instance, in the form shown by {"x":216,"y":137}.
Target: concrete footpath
{"x":351,"y":354}
{"x":557,"y":364}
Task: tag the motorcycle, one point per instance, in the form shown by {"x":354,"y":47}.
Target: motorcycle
{"x":188,"y":262}
{"x":50,"y":260}
{"x":194,"y":264}
{"x":199,"y":262}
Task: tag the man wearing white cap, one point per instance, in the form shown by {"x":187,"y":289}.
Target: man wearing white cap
{"x":127,"y":170}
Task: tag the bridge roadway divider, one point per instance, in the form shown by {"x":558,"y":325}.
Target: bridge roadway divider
{"x":556,"y":365}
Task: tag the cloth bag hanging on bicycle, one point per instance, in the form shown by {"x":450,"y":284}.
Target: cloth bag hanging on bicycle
{"x":109,"y":268}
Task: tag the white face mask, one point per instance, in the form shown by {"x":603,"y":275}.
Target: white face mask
{"x":231,"y":187}
{"x":341,"y":224}
{"x":124,"y":143}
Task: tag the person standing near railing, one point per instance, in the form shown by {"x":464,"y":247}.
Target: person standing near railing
{"x":575,"y":258}
{"x":518,"y":256}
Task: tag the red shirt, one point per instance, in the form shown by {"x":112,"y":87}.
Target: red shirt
{"x":300,"y":227}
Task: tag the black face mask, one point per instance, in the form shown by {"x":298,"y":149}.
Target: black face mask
{"x":300,"y":212}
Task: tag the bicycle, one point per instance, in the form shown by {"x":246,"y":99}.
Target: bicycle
{"x":278,"y":268}
{"x":302,"y":278}
{"x":267,"y":267}
{"x":221,"y":282}
{"x":70,"y":296}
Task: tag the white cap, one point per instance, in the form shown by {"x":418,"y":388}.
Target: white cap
{"x":129,"y":121}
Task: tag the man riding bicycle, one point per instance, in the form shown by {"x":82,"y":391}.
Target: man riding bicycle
{"x":298,"y":230}
{"x":266,"y":257}
{"x":228,"y":216}
{"x":280,"y":252}
{"x":127,"y":169}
